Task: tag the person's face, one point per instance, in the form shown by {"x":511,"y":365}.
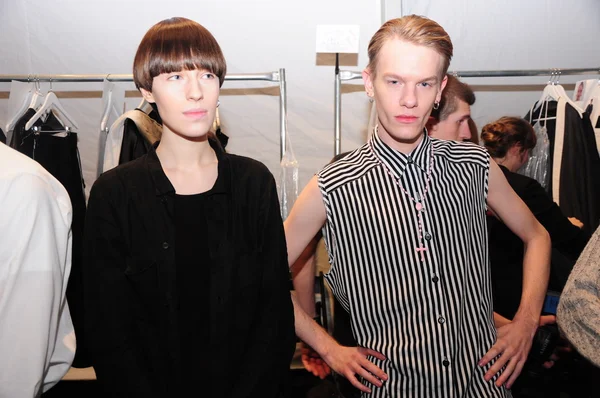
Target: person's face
{"x":456,"y":126}
{"x":186,"y":101}
{"x":406,"y":83}
{"x":579,"y":92}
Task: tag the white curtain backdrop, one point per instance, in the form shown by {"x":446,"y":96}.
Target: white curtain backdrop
{"x":100,"y":37}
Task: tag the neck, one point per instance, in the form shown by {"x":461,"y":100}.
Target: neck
{"x":508,"y":163}
{"x":180,"y":153}
{"x":400,"y":145}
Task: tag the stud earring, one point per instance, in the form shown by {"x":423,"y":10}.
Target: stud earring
{"x":436,"y":105}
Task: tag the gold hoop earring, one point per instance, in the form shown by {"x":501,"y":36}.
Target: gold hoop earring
{"x":218,"y":103}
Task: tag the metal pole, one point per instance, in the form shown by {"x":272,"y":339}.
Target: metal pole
{"x":338,"y":108}
{"x":282,"y":113}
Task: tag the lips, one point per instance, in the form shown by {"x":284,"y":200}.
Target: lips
{"x":406,"y":118}
{"x":195,"y":113}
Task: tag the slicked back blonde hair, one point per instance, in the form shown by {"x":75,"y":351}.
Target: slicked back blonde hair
{"x":173,"y":45}
{"x":413,"y":29}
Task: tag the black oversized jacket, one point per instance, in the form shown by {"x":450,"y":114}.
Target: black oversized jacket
{"x":130,"y":281}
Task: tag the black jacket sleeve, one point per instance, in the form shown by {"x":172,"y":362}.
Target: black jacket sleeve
{"x":109,"y":329}
{"x":265,"y":364}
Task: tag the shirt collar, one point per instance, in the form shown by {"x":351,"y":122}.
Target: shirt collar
{"x":418,"y":159}
{"x":164,"y":186}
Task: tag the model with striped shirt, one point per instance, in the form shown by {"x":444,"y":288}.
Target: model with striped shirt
{"x":404,"y":224}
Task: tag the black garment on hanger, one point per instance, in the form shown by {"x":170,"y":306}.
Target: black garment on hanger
{"x":580,"y":172}
{"x":2,"y":137}
{"x":60,"y":157}
{"x":579,"y":194}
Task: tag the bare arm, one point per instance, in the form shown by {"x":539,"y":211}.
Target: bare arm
{"x":305,"y":220}
{"x":514,"y":339}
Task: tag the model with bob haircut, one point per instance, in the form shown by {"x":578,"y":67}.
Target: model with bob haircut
{"x":186,"y":279}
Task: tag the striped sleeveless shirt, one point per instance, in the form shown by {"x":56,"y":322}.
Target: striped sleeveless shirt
{"x":431,"y":318}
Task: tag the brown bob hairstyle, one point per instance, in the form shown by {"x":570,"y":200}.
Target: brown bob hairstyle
{"x":173,"y":45}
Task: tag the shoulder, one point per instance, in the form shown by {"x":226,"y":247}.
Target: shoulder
{"x":26,"y":188}
{"x":523,"y":185}
{"x":351,"y":167}
{"x":119,"y":178}
{"x":244,"y":167}
{"x":461,"y":152}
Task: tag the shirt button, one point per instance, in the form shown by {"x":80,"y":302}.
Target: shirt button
{"x":165,"y":245}
{"x":410,"y":160}
{"x":435,"y":279}
{"x":427,"y":236}
{"x":446,"y":362}
{"x":441,"y":320}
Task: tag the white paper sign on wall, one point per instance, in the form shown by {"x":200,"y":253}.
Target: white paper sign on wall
{"x":338,"y":38}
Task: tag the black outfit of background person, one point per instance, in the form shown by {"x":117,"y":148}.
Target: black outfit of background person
{"x":506,"y":258}
{"x":2,"y":137}
{"x":506,"y":248}
{"x":60,"y":157}
{"x":131,"y":282}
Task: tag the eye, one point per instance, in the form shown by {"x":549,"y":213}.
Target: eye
{"x":393,"y":82}
{"x":425,"y":84}
{"x":209,"y":76}
{"x":174,"y":76}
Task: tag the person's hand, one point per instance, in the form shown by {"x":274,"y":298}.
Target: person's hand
{"x":351,"y":362}
{"x":576,"y":222}
{"x":511,"y":350}
{"x":313,"y":363}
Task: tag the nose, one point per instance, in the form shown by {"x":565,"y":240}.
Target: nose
{"x":194,"y":90}
{"x":408,"y":97}
{"x":464,"y":132}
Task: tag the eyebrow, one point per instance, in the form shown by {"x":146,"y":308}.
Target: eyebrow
{"x":427,"y":79}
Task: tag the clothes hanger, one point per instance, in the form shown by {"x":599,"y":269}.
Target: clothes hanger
{"x":51,"y":103}
{"x":554,"y":91}
{"x":25,"y":104}
{"x":110,"y":106}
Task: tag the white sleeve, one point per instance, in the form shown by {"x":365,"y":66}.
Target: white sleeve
{"x":37,"y":342}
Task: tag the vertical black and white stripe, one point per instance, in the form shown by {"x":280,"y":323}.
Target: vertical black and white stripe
{"x":432,"y":319}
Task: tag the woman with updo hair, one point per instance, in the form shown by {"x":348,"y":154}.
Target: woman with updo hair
{"x":509,"y":141}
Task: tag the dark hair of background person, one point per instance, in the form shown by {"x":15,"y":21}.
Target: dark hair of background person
{"x":454,"y":91}
{"x":499,"y":136}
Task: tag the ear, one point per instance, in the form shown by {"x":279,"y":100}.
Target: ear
{"x":147,"y":95}
{"x":431,"y":125}
{"x":438,"y":97}
{"x":367,"y":79}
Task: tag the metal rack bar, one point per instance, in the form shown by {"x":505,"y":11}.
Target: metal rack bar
{"x":346,"y":75}
{"x":276,"y":76}
{"x":270,"y":76}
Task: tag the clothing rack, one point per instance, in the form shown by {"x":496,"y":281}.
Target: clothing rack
{"x":276,"y":76}
{"x":344,"y":75}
